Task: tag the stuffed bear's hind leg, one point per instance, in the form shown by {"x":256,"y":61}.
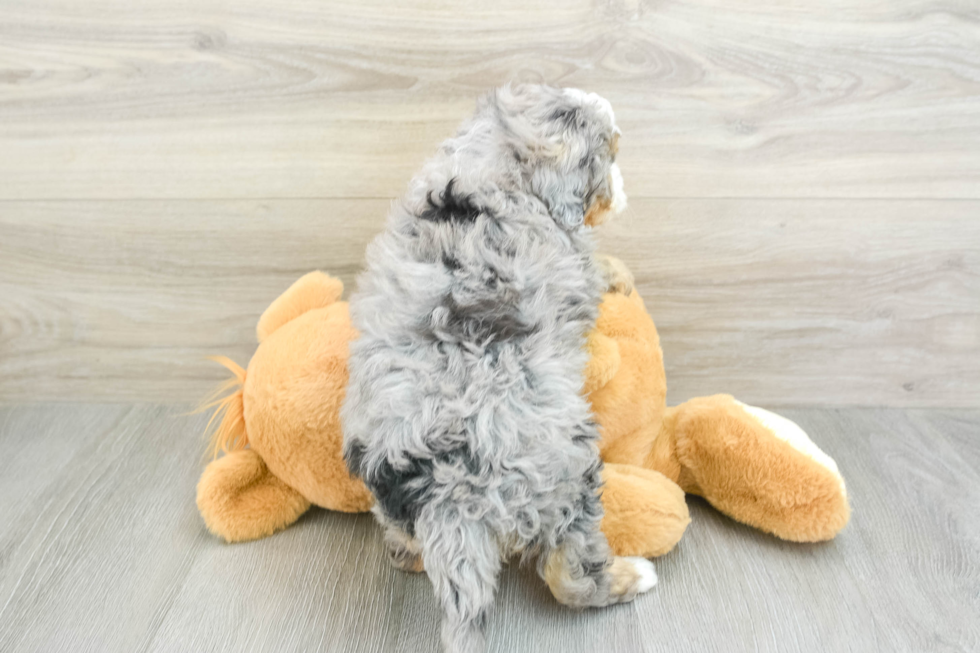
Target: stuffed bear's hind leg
{"x":758,"y":468}
{"x":241,"y":500}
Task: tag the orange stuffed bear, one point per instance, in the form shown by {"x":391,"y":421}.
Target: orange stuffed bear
{"x":281,"y":436}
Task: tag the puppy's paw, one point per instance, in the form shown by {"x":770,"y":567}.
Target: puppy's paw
{"x":629,"y":577}
{"x":617,"y":276}
{"x":406,"y":561}
{"x":403,"y":550}
{"x":647,"y":573}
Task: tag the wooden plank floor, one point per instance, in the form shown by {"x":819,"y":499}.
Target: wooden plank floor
{"x":102,"y":550}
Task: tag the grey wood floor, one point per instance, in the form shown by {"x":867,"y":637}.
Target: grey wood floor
{"x":101,"y":549}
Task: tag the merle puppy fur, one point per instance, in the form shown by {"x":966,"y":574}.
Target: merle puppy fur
{"x":464,"y":412}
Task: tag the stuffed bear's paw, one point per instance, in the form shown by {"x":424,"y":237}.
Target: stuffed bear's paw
{"x":616,"y":275}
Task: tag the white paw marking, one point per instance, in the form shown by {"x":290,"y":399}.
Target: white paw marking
{"x":790,"y":432}
{"x":648,"y":574}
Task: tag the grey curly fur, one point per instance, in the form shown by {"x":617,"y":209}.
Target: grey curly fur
{"x":464,"y":413}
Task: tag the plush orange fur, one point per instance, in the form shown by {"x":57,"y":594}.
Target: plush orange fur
{"x":227,"y":423}
{"x":240,"y":499}
{"x":311,"y":291}
{"x":285,"y":409}
{"x":645,"y":511}
{"x":746,"y":473}
{"x":293,"y":391}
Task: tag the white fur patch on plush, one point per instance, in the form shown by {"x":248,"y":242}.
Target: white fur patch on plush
{"x":647,"y":572}
{"x":790,"y":432}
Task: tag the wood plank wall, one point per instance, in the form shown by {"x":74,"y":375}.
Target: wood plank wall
{"x":804,"y":177}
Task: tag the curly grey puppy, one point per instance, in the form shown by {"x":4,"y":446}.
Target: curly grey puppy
{"x":464,"y":413}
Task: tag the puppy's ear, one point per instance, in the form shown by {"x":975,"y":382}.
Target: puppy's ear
{"x":560,"y":138}
{"x":563,"y":194}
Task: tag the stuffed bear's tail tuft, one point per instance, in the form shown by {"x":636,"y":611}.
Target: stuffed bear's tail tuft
{"x":226,"y":428}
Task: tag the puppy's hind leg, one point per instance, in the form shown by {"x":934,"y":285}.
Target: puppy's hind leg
{"x":581,"y":572}
{"x":462,"y":560}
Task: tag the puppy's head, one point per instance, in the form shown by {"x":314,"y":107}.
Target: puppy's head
{"x":565,"y":142}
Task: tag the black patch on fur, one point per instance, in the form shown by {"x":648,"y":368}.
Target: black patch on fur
{"x":593,"y":567}
{"x":491,"y":278}
{"x":593,"y":476}
{"x":586,"y":433}
{"x":589,"y":504}
{"x":451,"y":262}
{"x":567,"y":116}
{"x":401,"y":492}
{"x":482,"y":616}
{"x":481,"y":620}
{"x":455,"y":595}
{"x":461,"y":455}
{"x":450,"y":207}
{"x":354,"y":457}
{"x":481,"y":323}
{"x":486,"y":320}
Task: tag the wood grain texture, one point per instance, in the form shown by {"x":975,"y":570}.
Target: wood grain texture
{"x":123,"y":300}
{"x":163,"y":99}
{"x":776,"y":301}
{"x":816,"y":302}
{"x":805,"y":178}
{"x":103,"y":551}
